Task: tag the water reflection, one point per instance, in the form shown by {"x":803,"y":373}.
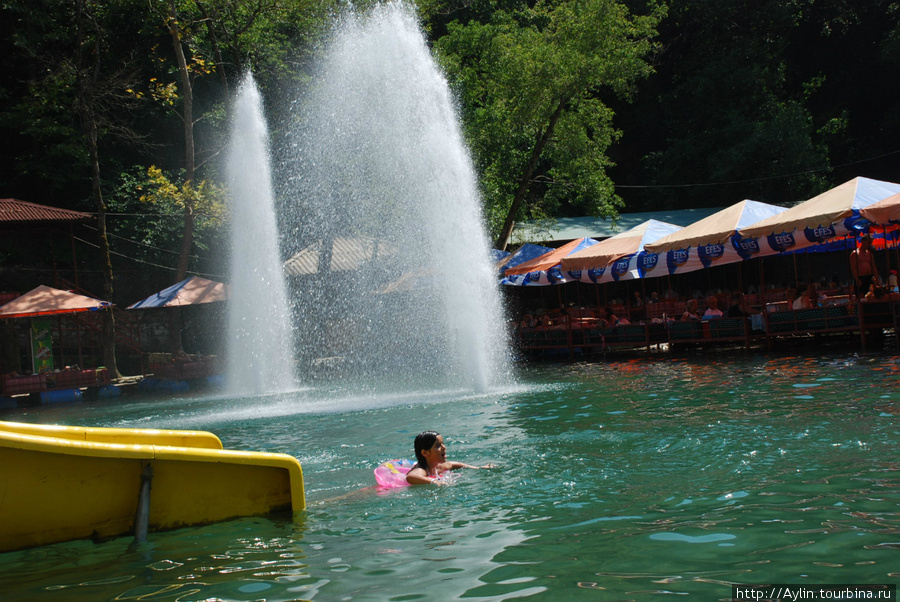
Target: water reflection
{"x":247,"y":555}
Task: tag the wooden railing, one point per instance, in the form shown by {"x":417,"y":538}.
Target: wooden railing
{"x":864,"y":318}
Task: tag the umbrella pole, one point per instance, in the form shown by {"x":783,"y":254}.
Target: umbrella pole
{"x":597,"y":287}
{"x":796,"y":274}
{"x":762,"y":282}
{"x":896,"y":249}
{"x":74,"y":257}
{"x":140,"y":344}
{"x":809,"y":274}
{"x":59,"y":338}
{"x":628,"y":300}
{"x":78,"y":337}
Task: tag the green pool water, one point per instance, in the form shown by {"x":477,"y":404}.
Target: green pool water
{"x":629,"y":480}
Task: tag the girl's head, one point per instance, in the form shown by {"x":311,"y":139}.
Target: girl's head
{"x":429,"y":446}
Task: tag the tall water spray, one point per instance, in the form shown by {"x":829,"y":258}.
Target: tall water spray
{"x":385,"y":200}
{"x":260,"y":344}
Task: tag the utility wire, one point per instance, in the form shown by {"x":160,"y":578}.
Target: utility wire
{"x":156,"y":265}
{"x":762,"y":179}
{"x":137,"y":242}
{"x":146,"y":214}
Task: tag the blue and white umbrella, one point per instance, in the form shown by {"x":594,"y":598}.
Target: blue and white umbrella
{"x":621,"y":257}
{"x":545,"y":269}
{"x":526,"y":252}
{"x":716,"y":239}
{"x":830,"y":215}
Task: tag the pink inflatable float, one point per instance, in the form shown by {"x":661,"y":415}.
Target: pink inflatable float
{"x":393,"y":473}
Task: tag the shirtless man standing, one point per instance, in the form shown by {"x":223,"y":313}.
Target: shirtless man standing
{"x":862,"y":265}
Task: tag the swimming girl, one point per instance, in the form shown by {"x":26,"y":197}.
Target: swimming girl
{"x":431,"y":459}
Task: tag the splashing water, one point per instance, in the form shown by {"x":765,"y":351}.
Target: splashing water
{"x":260,"y":350}
{"x":377,"y":175}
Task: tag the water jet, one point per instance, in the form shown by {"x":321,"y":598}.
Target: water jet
{"x":260,"y":344}
{"x":375,"y":171}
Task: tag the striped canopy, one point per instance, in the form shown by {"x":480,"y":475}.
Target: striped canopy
{"x":545,"y":269}
{"x":621,"y":257}
{"x":832,"y":214}
{"x":716,"y":239}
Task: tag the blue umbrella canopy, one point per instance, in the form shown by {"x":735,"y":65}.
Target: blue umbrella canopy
{"x":621,"y":257}
{"x":526,"y":252}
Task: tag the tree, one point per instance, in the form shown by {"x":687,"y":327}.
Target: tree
{"x":254,"y":31}
{"x":532,"y":84}
{"x":149,"y":222}
{"x":177,"y":32}
{"x":728,"y":108}
{"x":91,"y":82}
{"x":270,"y":36}
{"x":88,"y":78}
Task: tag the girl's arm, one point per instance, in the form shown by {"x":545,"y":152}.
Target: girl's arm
{"x":417,"y":476}
{"x":458,"y":465}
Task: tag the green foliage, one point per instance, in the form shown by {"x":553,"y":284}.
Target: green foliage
{"x":203,"y":198}
{"x":767,"y":102}
{"x":44,"y":116}
{"x":773,"y":100}
{"x":146,"y":218}
{"x":131,"y":220}
{"x":271,"y":37}
{"x":37,"y":114}
{"x":534,"y":80}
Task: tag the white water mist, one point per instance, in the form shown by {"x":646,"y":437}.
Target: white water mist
{"x":379,"y":158}
{"x":260,"y":344}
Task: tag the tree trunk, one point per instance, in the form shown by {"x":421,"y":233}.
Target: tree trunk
{"x":540,"y":143}
{"x":89,"y":125}
{"x":187,"y":99}
{"x":109,"y":319}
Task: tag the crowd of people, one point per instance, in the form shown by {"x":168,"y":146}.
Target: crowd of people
{"x":706,"y":307}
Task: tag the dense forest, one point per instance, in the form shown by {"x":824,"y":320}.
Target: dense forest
{"x":570,"y":107}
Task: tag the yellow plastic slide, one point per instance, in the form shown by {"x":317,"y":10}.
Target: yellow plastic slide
{"x":64,"y":483}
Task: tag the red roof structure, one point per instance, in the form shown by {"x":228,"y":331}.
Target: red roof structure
{"x":16,"y":212}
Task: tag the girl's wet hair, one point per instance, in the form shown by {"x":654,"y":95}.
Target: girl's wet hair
{"x":424,"y":441}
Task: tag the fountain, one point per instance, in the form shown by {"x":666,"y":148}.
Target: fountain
{"x":260,"y":344}
{"x":393,"y":280}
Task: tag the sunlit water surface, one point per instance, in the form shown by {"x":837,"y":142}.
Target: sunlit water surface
{"x":623,"y":480}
